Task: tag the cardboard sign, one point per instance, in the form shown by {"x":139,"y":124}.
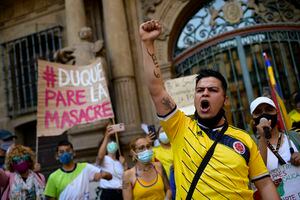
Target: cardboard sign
{"x":182,"y":91}
{"x":287,"y":179}
{"x":69,"y":95}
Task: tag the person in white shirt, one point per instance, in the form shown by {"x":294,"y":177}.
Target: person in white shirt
{"x":274,"y":145}
{"x":110,"y":161}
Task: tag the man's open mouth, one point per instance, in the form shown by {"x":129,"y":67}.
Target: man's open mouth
{"x":204,"y":105}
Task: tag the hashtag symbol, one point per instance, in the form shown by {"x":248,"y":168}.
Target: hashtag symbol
{"x":49,"y":76}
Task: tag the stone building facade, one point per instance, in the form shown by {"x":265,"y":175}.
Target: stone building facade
{"x":227,"y":35}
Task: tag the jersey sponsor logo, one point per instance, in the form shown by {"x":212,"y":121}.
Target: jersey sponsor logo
{"x":239,"y":147}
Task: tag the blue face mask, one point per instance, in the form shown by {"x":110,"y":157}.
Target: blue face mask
{"x":163,"y":138}
{"x":145,"y":156}
{"x":112,"y":147}
{"x":66,"y":158}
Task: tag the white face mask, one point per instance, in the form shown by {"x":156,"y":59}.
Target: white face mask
{"x":163,"y":138}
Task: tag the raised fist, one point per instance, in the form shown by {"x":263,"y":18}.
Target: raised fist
{"x":150,"y":30}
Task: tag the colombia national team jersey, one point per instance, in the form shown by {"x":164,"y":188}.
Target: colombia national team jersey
{"x":236,"y":159}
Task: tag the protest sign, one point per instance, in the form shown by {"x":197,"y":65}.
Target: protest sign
{"x":287,"y":180}
{"x":69,"y":95}
{"x":182,"y":91}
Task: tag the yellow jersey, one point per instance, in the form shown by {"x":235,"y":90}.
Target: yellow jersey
{"x":227,"y":174}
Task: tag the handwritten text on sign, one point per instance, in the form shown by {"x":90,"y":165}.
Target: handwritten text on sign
{"x":182,"y":91}
{"x":288,"y":177}
{"x":70,"y":95}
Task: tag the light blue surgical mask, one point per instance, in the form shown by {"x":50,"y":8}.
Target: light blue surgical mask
{"x":163,"y":138}
{"x":145,"y":156}
{"x":66,"y":157}
{"x":112,"y":147}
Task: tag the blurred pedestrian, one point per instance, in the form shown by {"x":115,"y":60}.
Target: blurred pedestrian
{"x":7,"y":139}
{"x":4,"y":146}
{"x":71,"y":181}
{"x":163,"y":152}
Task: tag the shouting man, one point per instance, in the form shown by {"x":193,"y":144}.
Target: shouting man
{"x":235,"y":158}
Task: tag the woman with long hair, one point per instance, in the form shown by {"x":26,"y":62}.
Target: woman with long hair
{"x":146,"y":179}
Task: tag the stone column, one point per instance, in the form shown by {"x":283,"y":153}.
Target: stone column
{"x":120,"y":62}
{"x":75,"y":20}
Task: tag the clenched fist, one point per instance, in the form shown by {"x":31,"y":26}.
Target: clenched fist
{"x":150,"y":30}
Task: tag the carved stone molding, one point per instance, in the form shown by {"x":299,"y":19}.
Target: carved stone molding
{"x":271,"y":11}
{"x":149,"y":6}
{"x":165,"y":33}
{"x":221,"y":16}
{"x":232,"y":12}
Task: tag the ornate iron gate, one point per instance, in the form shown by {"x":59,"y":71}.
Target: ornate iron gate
{"x":283,"y":48}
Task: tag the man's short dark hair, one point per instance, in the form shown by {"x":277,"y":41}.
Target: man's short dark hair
{"x":64,"y":143}
{"x":204,"y":73}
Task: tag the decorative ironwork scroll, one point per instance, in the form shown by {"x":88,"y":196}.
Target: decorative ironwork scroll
{"x":220,"y":16}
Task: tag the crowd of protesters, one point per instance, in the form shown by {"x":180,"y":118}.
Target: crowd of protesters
{"x":197,"y":157}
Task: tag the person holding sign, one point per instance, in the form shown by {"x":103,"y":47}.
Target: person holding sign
{"x":111,"y":161}
{"x":146,"y":179}
{"x":227,"y":156}
{"x":274,"y":145}
{"x":71,"y":181}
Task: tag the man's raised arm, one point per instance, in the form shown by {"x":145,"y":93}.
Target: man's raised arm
{"x":149,"y":32}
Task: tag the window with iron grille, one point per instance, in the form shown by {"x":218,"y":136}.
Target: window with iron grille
{"x":19,"y":64}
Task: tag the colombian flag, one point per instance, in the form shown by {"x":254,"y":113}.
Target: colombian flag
{"x":284,"y":121}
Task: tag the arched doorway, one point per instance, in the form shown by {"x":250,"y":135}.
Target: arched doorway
{"x":231,"y":36}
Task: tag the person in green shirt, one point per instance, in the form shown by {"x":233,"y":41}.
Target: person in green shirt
{"x":71,"y":181}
